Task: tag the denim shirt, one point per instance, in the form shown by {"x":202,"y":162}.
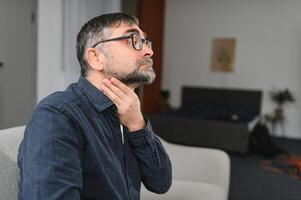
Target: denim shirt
{"x":74,"y":148}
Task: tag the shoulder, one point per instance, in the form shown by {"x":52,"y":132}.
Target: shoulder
{"x":52,"y":116}
{"x":61,"y":100}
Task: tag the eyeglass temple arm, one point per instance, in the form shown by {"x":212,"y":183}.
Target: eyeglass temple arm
{"x":113,"y":39}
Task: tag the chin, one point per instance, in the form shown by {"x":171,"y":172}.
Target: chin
{"x":139,"y":79}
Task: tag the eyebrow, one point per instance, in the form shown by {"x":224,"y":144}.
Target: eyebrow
{"x":133,"y":30}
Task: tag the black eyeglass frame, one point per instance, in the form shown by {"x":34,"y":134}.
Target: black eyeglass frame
{"x":143,"y":41}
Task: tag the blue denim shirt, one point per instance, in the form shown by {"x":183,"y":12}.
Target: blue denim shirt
{"x":73,"y":148}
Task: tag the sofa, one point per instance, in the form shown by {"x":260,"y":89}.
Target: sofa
{"x":211,"y":117}
{"x":198,"y":173}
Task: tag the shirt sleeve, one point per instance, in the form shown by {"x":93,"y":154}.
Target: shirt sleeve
{"x":49,"y":157}
{"x":153,"y":161}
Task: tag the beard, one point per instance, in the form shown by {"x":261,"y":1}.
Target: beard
{"x":143,"y":73}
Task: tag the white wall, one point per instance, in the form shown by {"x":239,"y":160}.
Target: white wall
{"x":56,"y":60}
{"x":268,"y":51}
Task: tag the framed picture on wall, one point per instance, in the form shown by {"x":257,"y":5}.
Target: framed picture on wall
{"x":223,"y":54}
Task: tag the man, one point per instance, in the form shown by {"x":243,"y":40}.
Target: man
{"x":91,"y":141}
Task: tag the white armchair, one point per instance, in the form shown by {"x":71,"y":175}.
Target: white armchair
{"x":10,"y":140}
{"x":198,"y":174}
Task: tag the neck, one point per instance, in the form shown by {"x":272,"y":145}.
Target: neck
{"x":97,"y":79}
{"x":133,"y":86}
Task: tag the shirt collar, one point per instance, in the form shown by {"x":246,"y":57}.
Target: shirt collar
{"x":99,"y":100}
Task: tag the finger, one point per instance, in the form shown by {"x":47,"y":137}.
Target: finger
{"x":115,"y":89}
{"x":121,"y":85}
{"x":111,"y":95}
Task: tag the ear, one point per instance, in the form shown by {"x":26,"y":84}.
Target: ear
{"x":95,"y":59}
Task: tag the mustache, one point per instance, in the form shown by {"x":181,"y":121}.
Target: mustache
{"x":145,"y":61}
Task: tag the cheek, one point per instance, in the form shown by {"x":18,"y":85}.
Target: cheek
{"x":127,"y":63}
{"x":123,"y":60}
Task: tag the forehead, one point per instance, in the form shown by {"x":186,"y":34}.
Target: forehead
{"x":124,"y":28}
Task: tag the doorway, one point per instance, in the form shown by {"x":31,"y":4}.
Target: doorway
{"x":17,"y":61}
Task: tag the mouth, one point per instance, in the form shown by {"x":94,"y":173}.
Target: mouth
{"x":145,"y":63}
{"x":145,"y":67}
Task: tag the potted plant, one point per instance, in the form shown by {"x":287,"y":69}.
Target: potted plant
{"x":281,"y":97}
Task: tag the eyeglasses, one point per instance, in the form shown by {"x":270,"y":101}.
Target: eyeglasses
{"x":137,"y":41}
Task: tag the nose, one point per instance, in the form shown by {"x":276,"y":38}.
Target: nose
{"x":147,"y":51}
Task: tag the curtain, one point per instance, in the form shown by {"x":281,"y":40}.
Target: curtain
{"x":75,"y":14}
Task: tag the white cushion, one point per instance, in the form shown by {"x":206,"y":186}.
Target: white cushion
{"x":187,"y":190}
{"x":10,"y":140}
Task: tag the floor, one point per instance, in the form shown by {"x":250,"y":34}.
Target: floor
{"x":249,"y":181}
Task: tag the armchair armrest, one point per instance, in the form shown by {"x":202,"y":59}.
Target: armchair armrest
{"x":199,"y":164}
